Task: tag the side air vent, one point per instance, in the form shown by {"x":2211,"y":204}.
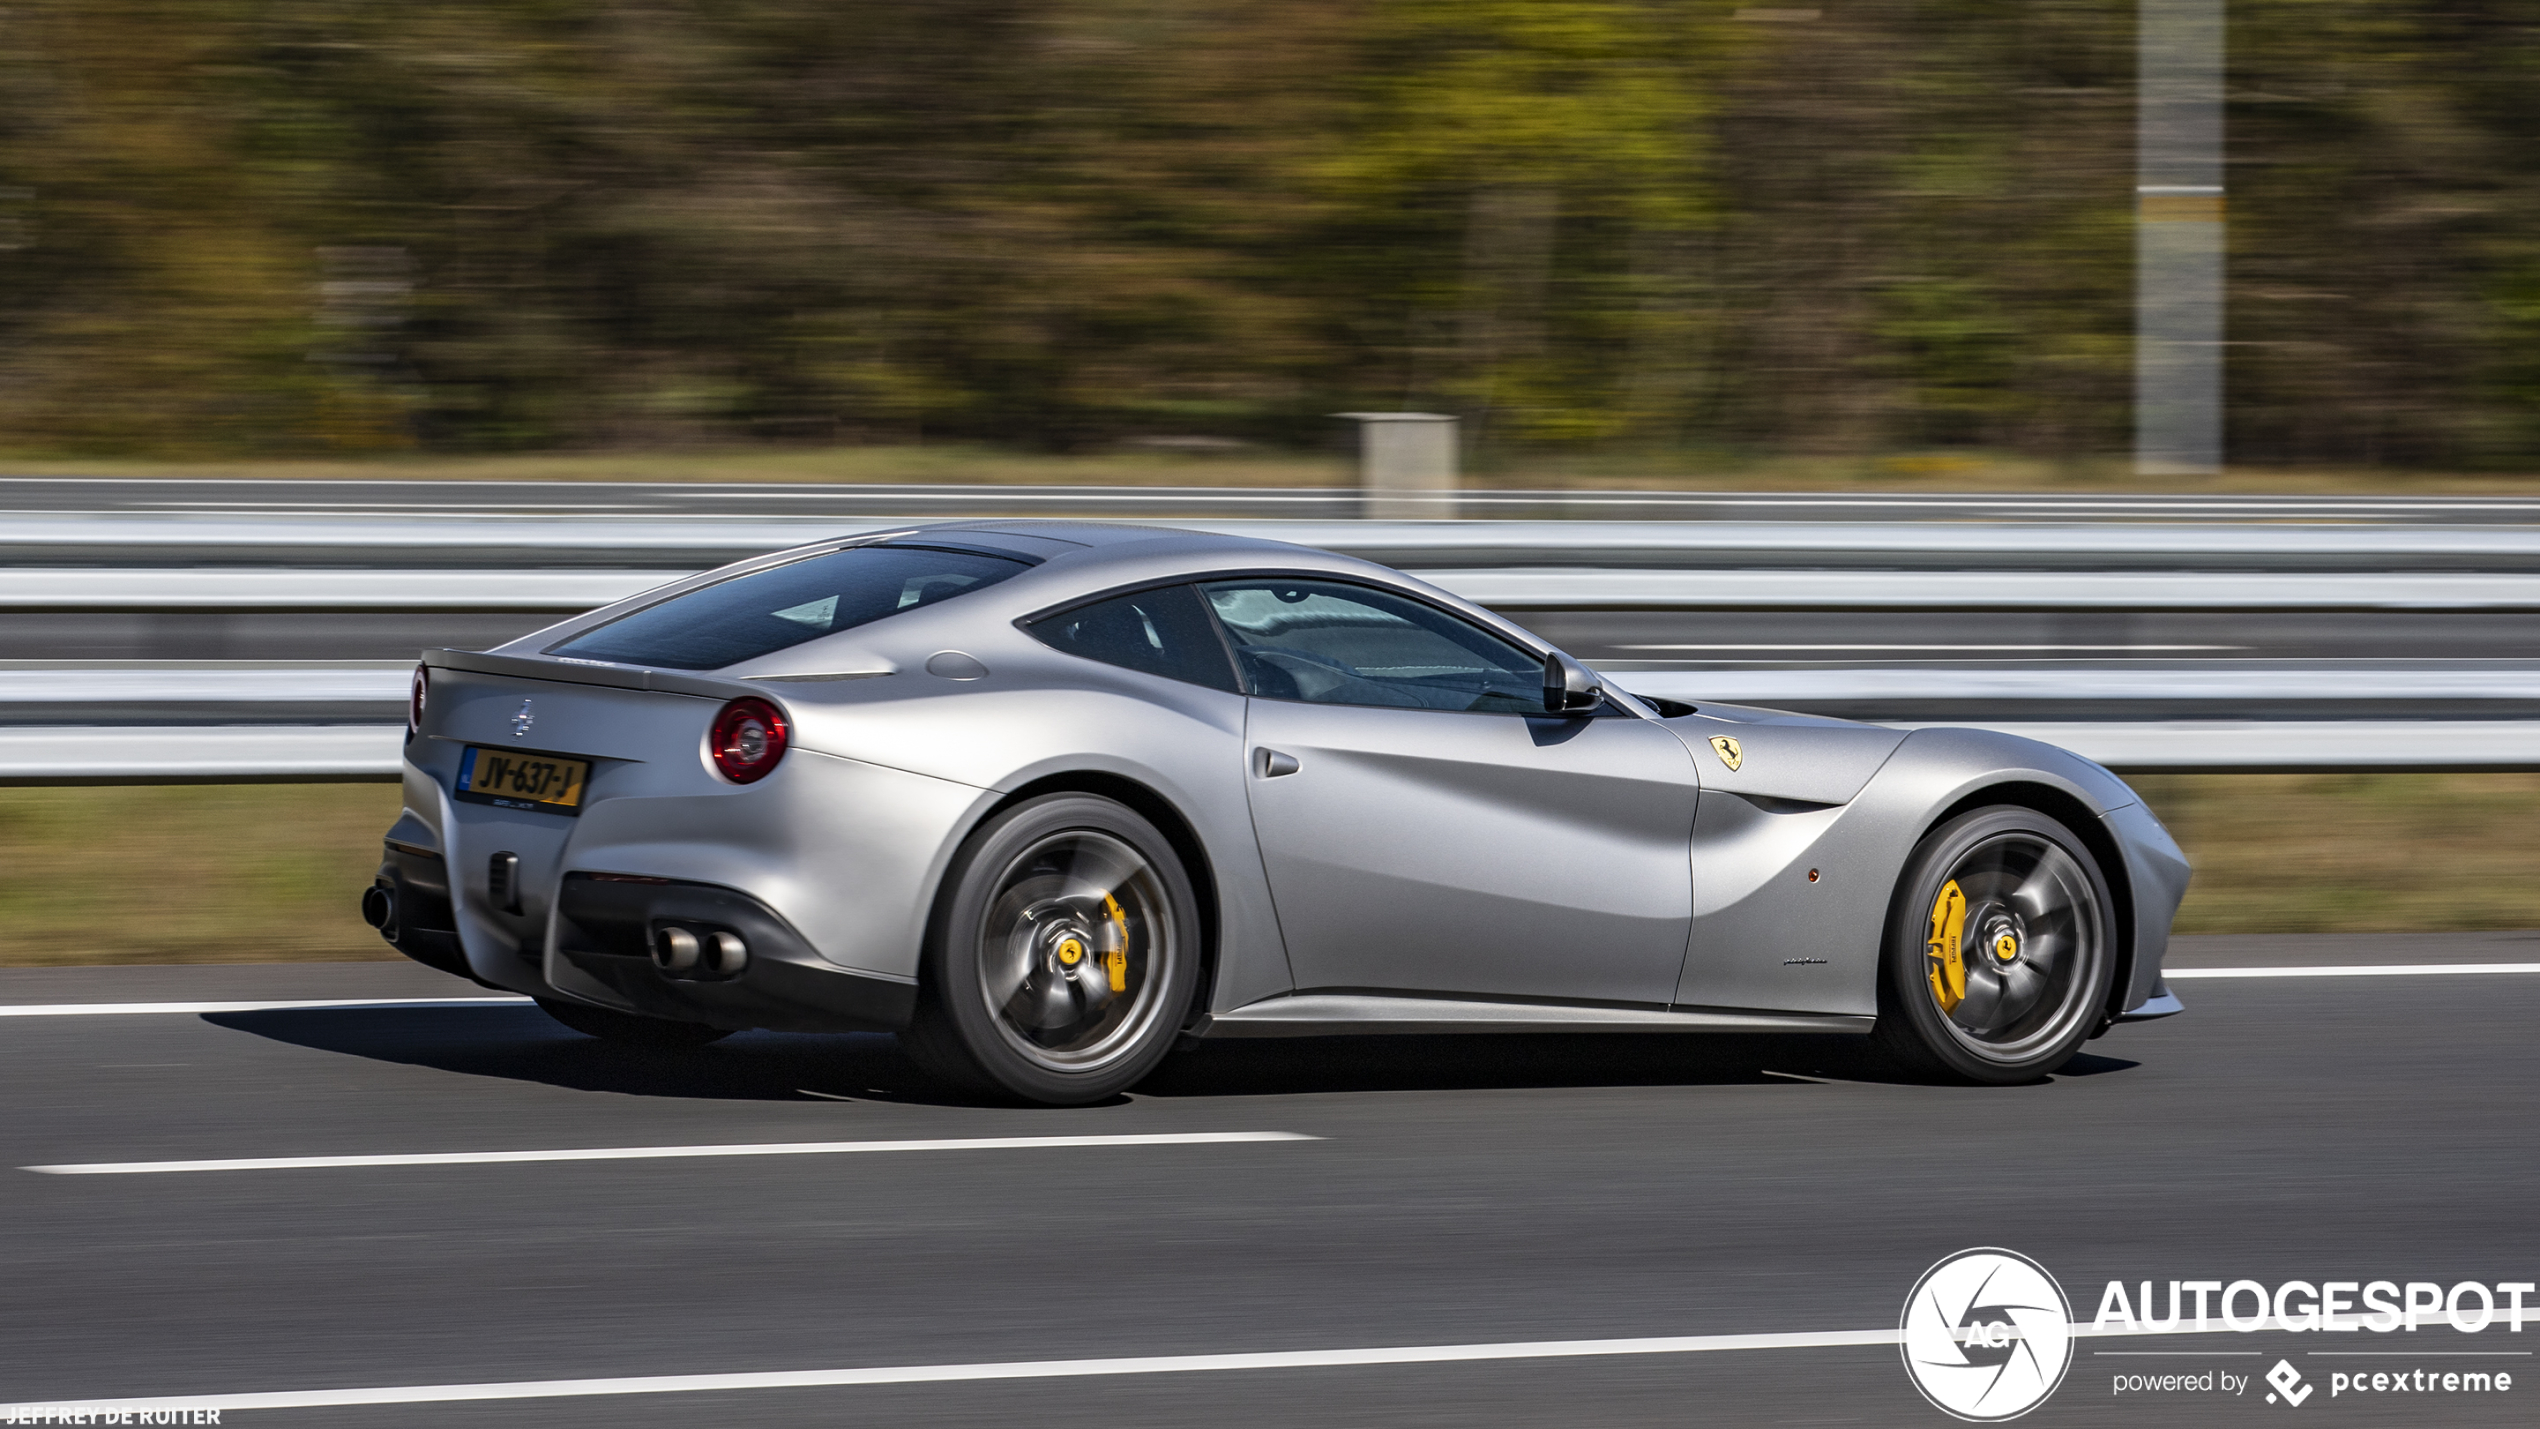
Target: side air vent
{"x":502,"y":882}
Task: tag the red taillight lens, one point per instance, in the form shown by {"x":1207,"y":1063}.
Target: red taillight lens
{"x":415,"y":696}
{"x":748,"y":737}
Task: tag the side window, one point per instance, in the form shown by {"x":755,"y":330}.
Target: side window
{"x":1160,"y":632}
{"x":1325,"y":642}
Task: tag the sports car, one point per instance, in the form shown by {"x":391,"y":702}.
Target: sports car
{"x":1048,"y":799}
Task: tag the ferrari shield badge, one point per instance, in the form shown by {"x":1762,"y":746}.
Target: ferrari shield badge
{"x":1728,"y":751}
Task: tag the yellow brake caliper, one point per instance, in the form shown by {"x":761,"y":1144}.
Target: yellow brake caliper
{"x":1116,"y":961}
{"x":1948,"y":929}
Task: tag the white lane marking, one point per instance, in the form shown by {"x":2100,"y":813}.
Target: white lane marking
{"x":651,"y":1153}
{"x":1015,"y":1369}
{"x":140,"y":1009}
{"x":1786,"y":645}
{"x":1052,"y":1369}
{"x":2359,"y":970}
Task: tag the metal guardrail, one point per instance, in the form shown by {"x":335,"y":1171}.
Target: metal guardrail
{"x":1989,"y":590}
{"x":248,"y":754}
{"x":383,"y":684}
{"x":267,"y":731}
{"x":220,"y":588}
{"x":576,"y":589}
{"x":435,"y":539}
{"x":310,"y":753}
{"x":900,"y":501}
{"x":335,"y":720}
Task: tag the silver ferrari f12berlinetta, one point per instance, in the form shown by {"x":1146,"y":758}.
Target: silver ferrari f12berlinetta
{"x":1045,"y":798}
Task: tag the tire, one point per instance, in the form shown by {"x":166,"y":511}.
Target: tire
{"x":2036,"y":938}
{"x":1062,"y":957}
{"x":629,"y":1029}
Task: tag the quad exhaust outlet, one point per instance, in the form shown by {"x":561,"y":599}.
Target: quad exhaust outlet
{"x":675,"y":950}
{"x":681,"y":951}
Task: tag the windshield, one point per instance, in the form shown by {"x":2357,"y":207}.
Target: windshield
{"x":766,"y":611}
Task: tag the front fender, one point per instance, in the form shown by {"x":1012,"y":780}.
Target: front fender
{"x":1768,"y":935}
{"x":2158,"y":871}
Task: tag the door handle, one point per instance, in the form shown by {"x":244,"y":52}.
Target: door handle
{"x":1270,"y":763}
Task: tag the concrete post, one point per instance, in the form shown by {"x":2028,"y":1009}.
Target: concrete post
{"x":1406,"y":464}
{"x":2178,"y":275}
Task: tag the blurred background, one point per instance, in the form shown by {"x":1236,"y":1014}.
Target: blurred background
{"x":1694,"y":235}
{"x":1037,"y":242}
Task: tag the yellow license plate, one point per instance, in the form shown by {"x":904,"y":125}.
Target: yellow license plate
{"x":523,"y":779}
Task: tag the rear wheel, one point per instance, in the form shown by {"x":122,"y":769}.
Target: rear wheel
{"x":627,"y":1028}
{"x":1999,"y":950}
{"x":1063,"y":955}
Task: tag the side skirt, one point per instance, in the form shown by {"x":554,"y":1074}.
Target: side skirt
{"x":2162,"y":1003}
{"x":1326,"y":1014}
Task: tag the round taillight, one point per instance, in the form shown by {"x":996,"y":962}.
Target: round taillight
{"x":420,"y":690}
{"x":748,"y":737}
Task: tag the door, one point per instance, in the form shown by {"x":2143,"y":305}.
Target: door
{"x":1425,"y":827}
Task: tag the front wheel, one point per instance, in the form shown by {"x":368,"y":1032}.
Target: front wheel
{"x":1062,"y":957}
{"x":1999,"y":950}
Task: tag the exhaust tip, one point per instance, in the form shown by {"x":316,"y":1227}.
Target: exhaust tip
{"x":675,"y":950}
{"x":730,"y":953}
{"x":379,"y":908}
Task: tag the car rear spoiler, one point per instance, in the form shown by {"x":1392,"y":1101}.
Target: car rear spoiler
{"x":589,"y":672}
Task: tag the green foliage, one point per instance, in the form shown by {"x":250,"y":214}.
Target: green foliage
{"x":317,"y":227}
{"x":163,"y":875}
{"x":221,"y":873}
{"x":2353,"y":853}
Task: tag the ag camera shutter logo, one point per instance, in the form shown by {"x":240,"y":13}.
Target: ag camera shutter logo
{"x":1987,"y":1335}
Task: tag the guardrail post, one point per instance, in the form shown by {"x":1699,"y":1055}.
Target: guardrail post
{"x":1406,"y":464}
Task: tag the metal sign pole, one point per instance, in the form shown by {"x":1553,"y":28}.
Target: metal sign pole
{"x":2178,"y":293}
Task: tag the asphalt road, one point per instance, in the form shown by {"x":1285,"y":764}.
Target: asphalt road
{"x":1462,"y":1191}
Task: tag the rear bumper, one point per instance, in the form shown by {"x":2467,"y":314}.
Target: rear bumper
{"x":409,"y":903}
{"x":606,"y":925}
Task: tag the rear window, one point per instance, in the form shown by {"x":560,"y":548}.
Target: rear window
{"x":766,"y":611}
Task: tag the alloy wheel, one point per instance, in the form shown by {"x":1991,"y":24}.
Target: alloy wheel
{"x":1075,"y":950}
{"x":2013,"y":943}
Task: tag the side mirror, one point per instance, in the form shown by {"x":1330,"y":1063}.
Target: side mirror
{"x":1569,"y":688}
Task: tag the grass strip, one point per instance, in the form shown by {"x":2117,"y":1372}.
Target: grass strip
{"x":272,"y":872}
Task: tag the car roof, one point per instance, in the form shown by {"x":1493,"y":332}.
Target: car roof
{"x":1078,"y":542}
{"x":1071,"y":561}
{"x":1075,"y":533}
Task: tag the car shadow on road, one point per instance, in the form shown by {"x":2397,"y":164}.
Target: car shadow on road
{"x":524,"y":1044}
{"x":1457,"y":1063}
